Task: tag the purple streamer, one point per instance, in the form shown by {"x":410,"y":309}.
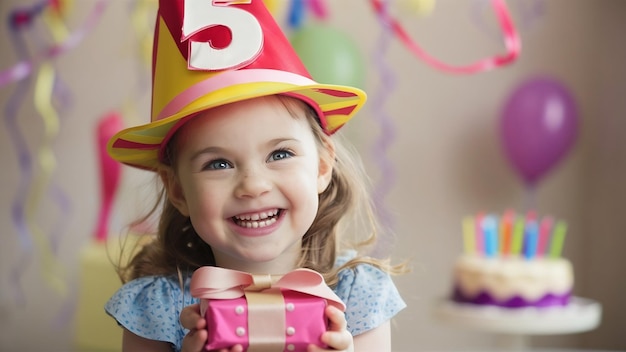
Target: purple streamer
{"x":20,"y":19}
{"x":387,"y":133}
{"x":67,"y":310}
{"x":61,"y":95}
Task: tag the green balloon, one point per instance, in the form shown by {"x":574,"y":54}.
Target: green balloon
{"x":330,"y":55}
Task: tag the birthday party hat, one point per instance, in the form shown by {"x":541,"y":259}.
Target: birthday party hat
{"x":208,"y":53}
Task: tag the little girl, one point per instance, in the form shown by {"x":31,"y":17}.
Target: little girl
{"x":252,"y":181}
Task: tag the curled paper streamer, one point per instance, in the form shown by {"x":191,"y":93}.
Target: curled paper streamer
{"x":53,"y":17}
{"x":110,"y":171}
{"x":25,"y":67}
{"x":511,"y":41}
{"x":387,"y":131}
{"x":420,"y":8}
{"x":18,"y":20}
{"x":17,"y":207}
{"x":47,"y":87}
{"x":60,"y":98}
{"x":142,"y":13}
{"x":142,"y":18}
{"x":52,"y":271}
{"x":530,"y":11}
{"x":68,"y":307}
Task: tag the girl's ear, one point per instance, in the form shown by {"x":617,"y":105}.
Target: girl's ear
{"x":174,"y":191}
{"x":326,"y":165}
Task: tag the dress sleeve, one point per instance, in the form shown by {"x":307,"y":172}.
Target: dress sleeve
{"x":370,"y":296}
{"x":150,"y":307}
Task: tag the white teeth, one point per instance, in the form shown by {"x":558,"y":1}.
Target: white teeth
{"x":257,"y":216}
{"x":256,"y":224}
{"x":257,"y":220}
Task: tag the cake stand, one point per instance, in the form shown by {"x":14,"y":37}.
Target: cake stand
{"x":513,"y":326}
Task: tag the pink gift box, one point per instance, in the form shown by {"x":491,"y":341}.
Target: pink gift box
{"x":263,"y":312}
{"x":304,"y":318}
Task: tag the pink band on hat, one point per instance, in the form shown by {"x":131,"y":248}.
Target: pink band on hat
{"x":230,"y":78}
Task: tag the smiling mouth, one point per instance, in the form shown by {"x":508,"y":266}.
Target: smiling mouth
{"x":257,"y":220}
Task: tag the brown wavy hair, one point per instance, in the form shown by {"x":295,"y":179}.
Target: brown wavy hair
{"x":344,"y":208}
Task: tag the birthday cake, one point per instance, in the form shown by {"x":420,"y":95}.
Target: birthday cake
{"x":513,"y":262}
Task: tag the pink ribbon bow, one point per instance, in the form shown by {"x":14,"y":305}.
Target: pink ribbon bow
{"x":209,"y":282}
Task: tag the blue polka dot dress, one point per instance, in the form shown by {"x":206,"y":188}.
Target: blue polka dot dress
{"x":150,"y":306}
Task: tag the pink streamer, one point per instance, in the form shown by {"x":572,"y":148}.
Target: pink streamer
{"x":109,"y":172}
{"x":387,"y":133}
{"x":531,"y":11}
{"x":511,"y":41}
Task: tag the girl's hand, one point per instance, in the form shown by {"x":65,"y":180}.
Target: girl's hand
{"x":195,"y":340}
{"x":338,"y":338}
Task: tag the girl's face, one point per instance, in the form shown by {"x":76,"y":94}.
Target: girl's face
{"x":248,"y":175}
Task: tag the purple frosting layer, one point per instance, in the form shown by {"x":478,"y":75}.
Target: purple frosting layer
{"x":484,"y":298}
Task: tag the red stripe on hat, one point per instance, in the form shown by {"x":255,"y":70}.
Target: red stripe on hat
{"x":124,"y":144}
{"x":343,"y":111}
{"x":337,"y":93}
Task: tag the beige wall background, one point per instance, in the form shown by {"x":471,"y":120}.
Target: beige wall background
{"x":446,"y":155}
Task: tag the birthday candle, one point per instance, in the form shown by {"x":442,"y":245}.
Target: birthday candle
{"x":469,"y":235}
{"x":544,"y":235}
{"x":480,"y":241}
{"x":518,"y":236}
{"x":490,"y":229}
{"x":531,"y":239}
{"x":558,"y":237}
{"x":506,"y":227}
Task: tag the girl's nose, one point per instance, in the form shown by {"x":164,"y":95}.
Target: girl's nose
{"x":252,"y":183}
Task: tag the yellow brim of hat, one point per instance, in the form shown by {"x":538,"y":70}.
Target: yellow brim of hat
{"x":139,"y":146}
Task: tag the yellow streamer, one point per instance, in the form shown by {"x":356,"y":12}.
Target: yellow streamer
{"x":53,"y":18}
{"x":420,"y":8}
{"x":52,"y":271}
{"x":142,"y":19}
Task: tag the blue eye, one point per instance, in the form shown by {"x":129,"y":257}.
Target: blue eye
{"x":219,"y":164}
{"x":280,"y":155}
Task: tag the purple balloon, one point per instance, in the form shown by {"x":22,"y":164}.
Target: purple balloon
{"x":538,"y":126}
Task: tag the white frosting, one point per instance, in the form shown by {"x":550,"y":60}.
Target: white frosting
{"x":505,"y":277}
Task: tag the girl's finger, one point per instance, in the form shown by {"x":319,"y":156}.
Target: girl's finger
{"x":194,"y":341}
{"x":190,"y":318}
{"x":337,"y":319}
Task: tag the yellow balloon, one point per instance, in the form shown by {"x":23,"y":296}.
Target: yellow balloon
{"x":419,"y":7}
